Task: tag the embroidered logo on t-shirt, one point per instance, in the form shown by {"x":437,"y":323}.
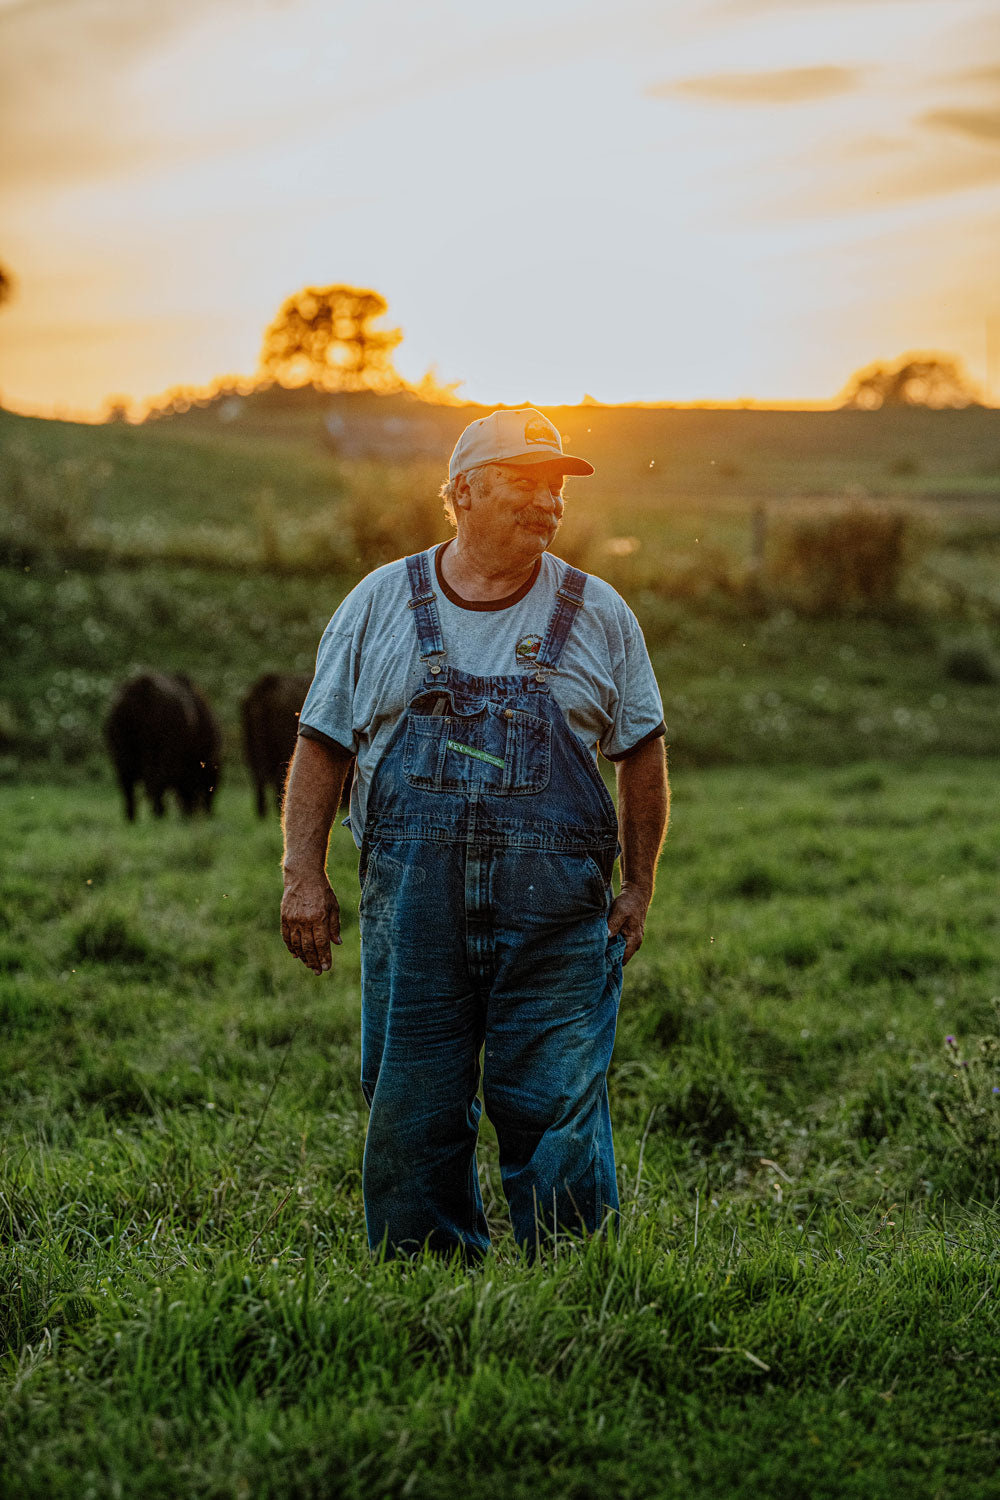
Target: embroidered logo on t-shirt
{"x":527,"y":649}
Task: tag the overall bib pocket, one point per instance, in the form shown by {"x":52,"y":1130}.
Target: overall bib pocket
{"x":499,"y":750}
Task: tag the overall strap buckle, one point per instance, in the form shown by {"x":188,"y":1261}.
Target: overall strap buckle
{"x":571,"y":595}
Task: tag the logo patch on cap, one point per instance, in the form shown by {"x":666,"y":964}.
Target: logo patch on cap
{"x":537,"y":430}
{"x":527,"y":649}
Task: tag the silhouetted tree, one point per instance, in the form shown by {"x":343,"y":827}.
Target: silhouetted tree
{"x":116,"y":409}
{"x":936,"y":380}
{"x":430,"y":387}
{"x":324,"y":336}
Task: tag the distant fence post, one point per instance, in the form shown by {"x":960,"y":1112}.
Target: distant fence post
{"x":758,"y":538}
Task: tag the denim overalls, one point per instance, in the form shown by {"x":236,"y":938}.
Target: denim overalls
{"x":486,"y":866}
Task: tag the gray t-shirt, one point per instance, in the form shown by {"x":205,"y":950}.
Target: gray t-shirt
{"x":368,"y":667}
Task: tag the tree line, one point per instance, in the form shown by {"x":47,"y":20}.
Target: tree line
{"x":328,"y":337}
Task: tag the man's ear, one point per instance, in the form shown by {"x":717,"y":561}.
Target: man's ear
{"x":462,"y":497}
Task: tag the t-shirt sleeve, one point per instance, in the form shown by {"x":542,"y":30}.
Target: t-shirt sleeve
{"x":329,"y":706}
{"x":638,"y":709}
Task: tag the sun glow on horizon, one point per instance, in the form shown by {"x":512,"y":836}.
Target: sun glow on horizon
{"x":739,"y":201}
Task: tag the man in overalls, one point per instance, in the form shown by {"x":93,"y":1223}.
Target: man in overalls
{"x":475,"y":683}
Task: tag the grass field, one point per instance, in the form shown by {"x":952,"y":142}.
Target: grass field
{"x":683,"y":484}
{"x":224,"y":555}
{"x":767,"y":689}
{"x":802,"y":1299}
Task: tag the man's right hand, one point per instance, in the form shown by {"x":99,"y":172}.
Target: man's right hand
{"x":310,"y":920}
{"x":310,"y":916}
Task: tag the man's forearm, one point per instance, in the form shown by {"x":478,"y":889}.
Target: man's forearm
{"x":643,"y":813}
{"x":312,"y":796}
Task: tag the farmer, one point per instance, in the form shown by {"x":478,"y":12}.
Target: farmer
{"x":475,"y":683}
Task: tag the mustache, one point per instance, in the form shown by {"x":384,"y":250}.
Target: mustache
{"x":535,"y":516}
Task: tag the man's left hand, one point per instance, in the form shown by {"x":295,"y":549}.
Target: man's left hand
{"x":628,"y":915}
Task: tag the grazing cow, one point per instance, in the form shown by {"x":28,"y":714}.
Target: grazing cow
{"x":270,"y":714}
{"x":162,"y":733}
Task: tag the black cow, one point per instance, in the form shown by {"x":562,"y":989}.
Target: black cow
{"x":270,"y":715}
{"x":162,"y":733}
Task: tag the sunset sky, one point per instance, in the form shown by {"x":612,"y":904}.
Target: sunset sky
{"x":692,"y":199}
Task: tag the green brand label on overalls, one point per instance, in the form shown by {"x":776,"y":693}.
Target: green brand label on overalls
{"x":476,"y":754}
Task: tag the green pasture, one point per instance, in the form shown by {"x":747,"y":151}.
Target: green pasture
{"x":682,"y":487}
{"x":772,"y":688}
{"x":801,"y":1300}
{"x":223,"y":554}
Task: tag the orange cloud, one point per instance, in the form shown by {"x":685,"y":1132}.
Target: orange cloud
{"x":66,"y":110}
{"x":880,"y":172}
{"x":761,"y":7}
{"x":976,"y":124}
{"x":779,"y":86}
{"x":989,"y":74}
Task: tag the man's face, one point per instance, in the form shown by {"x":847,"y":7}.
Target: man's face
{"x":517,"y":506}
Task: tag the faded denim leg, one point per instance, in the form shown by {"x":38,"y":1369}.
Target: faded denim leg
{"x":551,"y":1021}
{"x":422,"y":1031}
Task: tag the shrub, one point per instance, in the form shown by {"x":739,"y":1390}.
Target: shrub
{"x":970,"y":664}
{"x":842,"y":560}
{"x":47,"y":506}
{"x":390,"y":512}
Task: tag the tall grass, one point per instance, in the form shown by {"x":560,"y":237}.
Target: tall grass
{"x":799,"y":1300}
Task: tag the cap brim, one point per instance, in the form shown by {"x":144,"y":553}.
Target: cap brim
{"x":564,"y":462}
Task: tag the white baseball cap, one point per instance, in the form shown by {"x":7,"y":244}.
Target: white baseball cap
{"x":521,"y":436}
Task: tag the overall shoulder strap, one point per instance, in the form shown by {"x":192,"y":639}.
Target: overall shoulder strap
{"x":427,"y":623}
{"x":569,"y":600}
